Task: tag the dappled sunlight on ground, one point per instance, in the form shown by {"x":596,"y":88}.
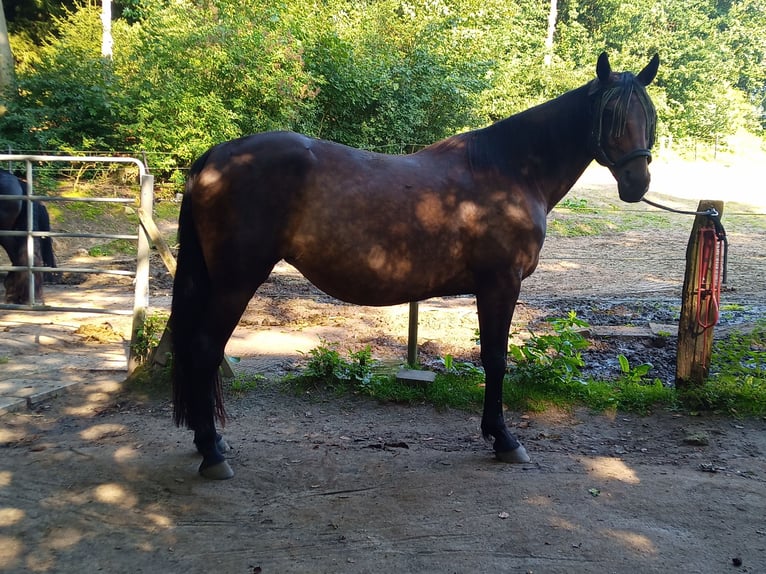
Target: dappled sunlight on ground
{"x":639,"y":543}
{"x":606,"y":468}
{"x":51,"y":512}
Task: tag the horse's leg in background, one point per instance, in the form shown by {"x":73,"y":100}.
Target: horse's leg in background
{"x":496,"y":305}
{"x":17,"y":282}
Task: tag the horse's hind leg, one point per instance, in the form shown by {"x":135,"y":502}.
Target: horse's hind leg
{"x":215,"y":326}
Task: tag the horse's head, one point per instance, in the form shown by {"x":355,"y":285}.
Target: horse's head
{"x":623,"y":126}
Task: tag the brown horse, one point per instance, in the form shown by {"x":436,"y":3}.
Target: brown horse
{"x":466,"y":215}
{"x":14,"y":218}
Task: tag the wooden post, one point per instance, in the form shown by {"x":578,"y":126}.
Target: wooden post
{"x":412,"y":335}
{"x":141,"y":288}
{"x":695,"y":341}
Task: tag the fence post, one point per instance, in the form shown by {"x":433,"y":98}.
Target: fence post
{"x":412,"y":335}
{"x":695,"y":340}
{"x":30,"y":226}
{"x":141,"y":297}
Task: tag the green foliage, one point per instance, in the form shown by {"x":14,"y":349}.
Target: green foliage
{"x":555,"y":356}
{"x":386,"y":75}
{"x":633,"y":374}
{"x":115,"y":247}
{"x":548,"y":370}
{"x":147,"y":337}
{"x":326,"y":367}
{"x":69,"y":96}
{"x":737,"y":381}
{"x":579,"y":205}
{"x":245,"y":383}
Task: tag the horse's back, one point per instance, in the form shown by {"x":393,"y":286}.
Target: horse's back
{"x":365,"y":227}
{"x":9,"y":210}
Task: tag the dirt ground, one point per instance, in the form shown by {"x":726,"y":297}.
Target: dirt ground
{"x":98,"y":479}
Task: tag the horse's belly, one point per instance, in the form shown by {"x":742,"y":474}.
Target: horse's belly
{"x":380,"y":283}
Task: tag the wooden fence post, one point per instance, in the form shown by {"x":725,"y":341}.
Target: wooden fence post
{"x":412,"y":335}
{"x":695,"y":340}
{"x":141,"y":288}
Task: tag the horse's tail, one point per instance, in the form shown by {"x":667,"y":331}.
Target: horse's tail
{"x":43,"y":223}
{"x":191,"y":289}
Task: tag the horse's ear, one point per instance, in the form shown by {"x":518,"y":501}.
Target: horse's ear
{"x":603,"y":69}
{"x":646,"y":75}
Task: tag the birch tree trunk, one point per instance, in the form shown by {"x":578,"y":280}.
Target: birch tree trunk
{"x":552,"y":16}
{"x":106,"y":26}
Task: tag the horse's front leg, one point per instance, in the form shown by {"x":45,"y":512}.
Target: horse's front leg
{"x":495,"y":307}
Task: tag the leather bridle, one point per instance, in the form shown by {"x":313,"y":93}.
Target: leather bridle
{"x":622,"y":94}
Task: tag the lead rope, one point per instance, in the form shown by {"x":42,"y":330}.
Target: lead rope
{"x":712,"y":261}
{"x":720,"y":232}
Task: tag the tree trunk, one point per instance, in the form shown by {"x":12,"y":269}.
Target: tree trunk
{"x":7,"y":74}
{"x":552,"y":16}
{"x":106,"y":28}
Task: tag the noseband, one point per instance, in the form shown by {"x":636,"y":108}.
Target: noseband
{"x":622,"y":93}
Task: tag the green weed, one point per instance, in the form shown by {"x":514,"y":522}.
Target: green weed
{"x":327,"y":367}
{"x":555,"y":357}
{"x":737,"y":381}
{"x":148,"y":336}
{"x":548,"y":369}
{"x":579,"y":205}
{"x":246,"y":383}
{"x":116,"y":247}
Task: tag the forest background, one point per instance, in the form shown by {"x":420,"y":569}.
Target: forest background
{"x":387,"y":75}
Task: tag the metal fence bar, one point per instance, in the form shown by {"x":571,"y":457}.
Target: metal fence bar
{"x":73,"y":199}
{"x":141,"y":274}
{"x":72,"y":158}
{"x":66,"y":234}
{"x":65,"y":309}
{"x":83,"y":270}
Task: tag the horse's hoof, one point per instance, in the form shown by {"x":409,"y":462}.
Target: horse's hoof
{"x":221,"y":444}
{"x":517,"y":455}
{"x":219,"y":471}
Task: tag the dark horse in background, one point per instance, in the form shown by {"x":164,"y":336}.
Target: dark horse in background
{"x":13,"y":217}
{"x":466,"y":215}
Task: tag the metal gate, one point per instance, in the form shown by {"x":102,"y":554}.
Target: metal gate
{"x":143,"y":203}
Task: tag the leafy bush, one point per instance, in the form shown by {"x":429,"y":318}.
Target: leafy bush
{"x":737,"y":381}
{"x":326,"y":367}
{"x":70,"y":98}
{"x":554,"y":357}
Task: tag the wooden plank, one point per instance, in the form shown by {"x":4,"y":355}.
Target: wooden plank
{"x":147,"y":223}
{"x":695,"y":342}
{"x":415,"y":378}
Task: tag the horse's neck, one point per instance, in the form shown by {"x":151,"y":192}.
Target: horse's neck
{"x":552,"y":144}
